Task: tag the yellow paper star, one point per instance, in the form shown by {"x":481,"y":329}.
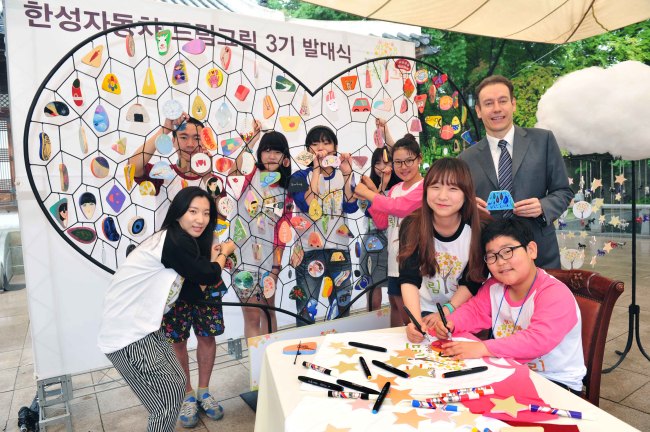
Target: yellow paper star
{"x":620,"y":179}
{"x":571,"y":235}
{"x":607,"y":247}
{"x":350,"y":352}
{"x":595,"y":184}
{"x":411,"y":418}
{"x":508,"y":406}
{"x":601,"y":219}
{"x":465,"y":418}
{"x":598,"y":202}
{"x":615,"y":220}
{"x":417,"y":371}
{"x":618,"y":197}
{"x":593,"y":261}
{"x":583,"y":234}
{"x":396,"y":361}
{"x":397,"y":395}
{"x":380,"y":380}
{"x":337,"y":345}
{"x":407,"y":352}
{"x":331,"y":428}
{"x":344,"y":367}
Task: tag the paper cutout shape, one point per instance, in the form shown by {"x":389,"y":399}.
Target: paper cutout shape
{"x":349,"y":82}
{"x":304,"y":158}
{"x":300,"y":223}
{"x":115,"y":198}
{"x":163,"y":38}
{"x":100,"y":119}
{"x":83,"y":141}
{"x":369,"y":264}
{"x":161,"y":170}
{"x":146,"y":188}
{"x":45,"y":146}
{"x":455,"y":125}
{"x":327,"y":287}
{"x":344,"y":231}
{"x":500,"y":200}
{"x":243,"y":280}
{"x":55,"y":109}
{"x":223,"y":165}
{"x":236,"y":184}
{"x":111,"y":84}
{"x":305,"y":111}
{"x":59,"y":210}
{"x":378,"y":138}
{"x":200,"y":163}
{"x":137,"y":226}
{"x":385,"y":104}
{"x":403,"y":65}
{"x":284,"y":84}
{"x":467,"y":137}
{"x":337,"y":257}
{"x":164,"y":144}
{"x":416,"y":126}
{"x":225,"y":56}
{"x":194,"y":47}
{"x":420,"y":101}
{"x":316,"y":268}
{"x":214,"y":78}
{"x":268,"y":109}
{"x":373,"y":244}
{"x":137,"y":114}
{"x":172,"y":109}
{"x":268,"y":178}
{"x":330,"y":161}
{"x":290,"y":123}
{"x":149,"y":85}
{"x":99,"y":167}
{"x":77,"y":96}
{"x":359,"y":161}
{"x":445,"y":103}
{"x":242,"y":92}
{"x":404,"y":106}
{"x":222,"y":227}
{"x":361,"y":105}
{"x":439,"y":80}
{"x":129,"y":175}
{"x":332,"y":104}
{"x":119,"y":147}
{"x":268,"y":285}
{"x":284,"y":232}
{"x":109,"y":229}
{"x":129,"y":42}
{"x":179,"y":74}
{"x":315,"y":210}
{"x":64,"y":178}
{"x":341,"y":277}
{"x":508,"y":406}
{"x":446,"y":132}
{"x":363,"y":282}
{"x":223,"y":115}
{"x":582,"y":209}
{"x":231,"y":145}
{"x":226,"y":206}
{"x":252,"y":203}
{"x":408,"y":88}
{"x":240,"y":232}
{"x":83,"y":235}
{"x":94,"y":56}
{"x":208,"y":140}
{"x":315,"y":240}
{"x":434,"y":121}
{"x":421,"y":76}
{"x":305,"y":348}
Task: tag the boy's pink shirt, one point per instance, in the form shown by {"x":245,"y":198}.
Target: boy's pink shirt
{"x":383,"y":206}
{"x":554,"y":316}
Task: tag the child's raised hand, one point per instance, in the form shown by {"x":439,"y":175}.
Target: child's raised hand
{"x":227,"y":247}
{"x":482,"y":205}
{"x":361,"y":191}
{"x":465,"y":350}
{"x":172,"y":125}
{"x":345,"y":166}
{"x":365,"y":180}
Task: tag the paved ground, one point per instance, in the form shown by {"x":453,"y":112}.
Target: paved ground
{"x":102,"y":403}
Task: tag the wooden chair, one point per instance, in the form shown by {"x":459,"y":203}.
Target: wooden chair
{"x":596,"y":296}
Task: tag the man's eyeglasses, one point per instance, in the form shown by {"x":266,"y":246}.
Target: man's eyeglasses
{"x":407,"y":162}
{"x":505,"y":254}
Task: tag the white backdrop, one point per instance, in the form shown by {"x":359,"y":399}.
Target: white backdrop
{"x":66,"y":290}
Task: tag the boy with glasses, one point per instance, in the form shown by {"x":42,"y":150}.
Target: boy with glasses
{"x":533,"y":317}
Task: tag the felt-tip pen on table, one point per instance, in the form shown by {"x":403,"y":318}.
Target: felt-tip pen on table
{"x":356,"y":387}
{"x":350,"y":395}
{"x":381,"y":397}
{"x":364,"y":365}
{"x":320,"y":369}
{"x":462,"y":372}
{"x":389,"y":368}
{"x":319,"y":383}
{"x":443,"y":319}
{"x":441,"y":407}
{"x":366,"y":346}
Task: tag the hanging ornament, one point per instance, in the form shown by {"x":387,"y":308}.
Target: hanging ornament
{"x":149,"y":85}
{"x":225,"y":57}
{"x":55,"y":109}
{"x":208,"y":141}
{"x":223,"y":115}
{"x":88,"y":204}
{"x":267,"y":107}
{"x":194,"y":47}
{"x":130,"y":44}
{"x":45,"y":146}
{"x":111,"y":84}
{"x":199,"y":109}
{"x":64,"y":179}
{"x":304,"y":106}
{"x":368,"y":78}
{"x":94,"y":57}
{"x":284,"y":84}
{"x":163,"y":38}
{"x":129,"y":176}
{"x":179,"y":74}
{"x":100,"y":119}
{"x":83,"y":141}
{"x":214,"y":78}
{"x":77,"y":97}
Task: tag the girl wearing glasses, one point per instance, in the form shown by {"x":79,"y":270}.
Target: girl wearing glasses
{"x":387,"y":212}
{"x":261,"y":207}
{"x":440,"y":250}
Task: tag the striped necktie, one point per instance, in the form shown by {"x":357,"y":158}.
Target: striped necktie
{"x":505,"y":172}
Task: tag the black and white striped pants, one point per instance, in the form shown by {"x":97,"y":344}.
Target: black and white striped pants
{"x":152,"y":371}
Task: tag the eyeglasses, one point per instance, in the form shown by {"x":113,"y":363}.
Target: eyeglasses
{"x":407,"y":162}
{"x":505,"y":254}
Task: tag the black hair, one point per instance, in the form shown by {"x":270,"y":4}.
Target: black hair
{"x":408,"y":143}
{"x":276,"y":141}
{"x":378,"y":155}
{"x":190,"y":120}
{"x":63,"y":207}
{"x":319,"y":133}
{"x":178,"y":208}
{"x":517,"y":228}
{"x":87,"y":198}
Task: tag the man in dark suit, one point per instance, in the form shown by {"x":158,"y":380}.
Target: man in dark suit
{"x":539,"y":185}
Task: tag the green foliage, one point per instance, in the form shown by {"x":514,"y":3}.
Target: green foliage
{"x":530,"y":86}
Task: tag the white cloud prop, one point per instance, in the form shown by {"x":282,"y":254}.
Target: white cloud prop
{"x":598,"y":110}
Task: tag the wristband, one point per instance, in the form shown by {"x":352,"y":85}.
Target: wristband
{"x":221,"y":253}
{"x":449,"y":307}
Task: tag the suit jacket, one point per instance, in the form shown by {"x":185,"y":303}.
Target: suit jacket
{"x":538,"y":172}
